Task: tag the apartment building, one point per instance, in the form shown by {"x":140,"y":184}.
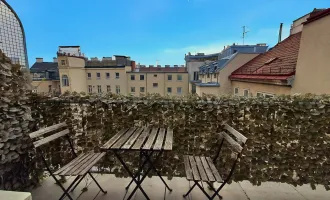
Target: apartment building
{"x":71,"y":71}
{"x":45,"y":77}
{"x":213,"y":77}
{"x":166,"y":80}
{"x":297,"y":64}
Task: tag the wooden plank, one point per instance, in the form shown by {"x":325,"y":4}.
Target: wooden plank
{"x":47,"y":130}
{"x":232,"y":143}
{"x":207,"y":169}
{"x":240,"y":138}
{"x":132,"y":139}
{"x":72,"y":162}
{"x":88,"y":167}
{"x":114,"y":139}
{"x":201,"y":169}
{"x":169,"y":139}
{"x":187,"y":168}
{"x":71,"y":170}
{"x":151,"y":139}
{"x":160,"y":139}
{"x":194,"y":168}
{"x":139,"y":142}
{"x":51,"y":138}
{"x":85,"y":165}
{"x":123,"y":139}
{"x":214,"y":170}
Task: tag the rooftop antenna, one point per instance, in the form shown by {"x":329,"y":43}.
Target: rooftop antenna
{"x":244,"y":33}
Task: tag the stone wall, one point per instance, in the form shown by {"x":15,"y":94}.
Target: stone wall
{"x":287,"y":135}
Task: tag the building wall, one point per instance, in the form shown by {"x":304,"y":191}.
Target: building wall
{"x":259,"y":87}
{"x":192,"y":66}
{"x":137,"y":83}
{"x":207,"y":90}
{"x":104,"y":82}
{"x":297,"y":25}
{"x":174,"y":84}
{"x":312,"y":72}
{"x":235,"y":63}
{"x":43,"y":86}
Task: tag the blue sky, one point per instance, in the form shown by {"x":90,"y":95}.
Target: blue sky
{"x":150,"y":30}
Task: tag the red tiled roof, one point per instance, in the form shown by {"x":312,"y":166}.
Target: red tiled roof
{"x":278,"y":63}
{"x":317,"y":15}
{"x":162,"y":69}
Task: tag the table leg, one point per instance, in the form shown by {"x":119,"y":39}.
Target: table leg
{"x":137,"y":174}
{"x":138,"y":183}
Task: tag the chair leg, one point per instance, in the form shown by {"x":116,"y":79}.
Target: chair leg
{"x":212,"y":188}
{"x":66,"y":193}
{"x":189,"y":190}
{"x":77,"y":183}
{"x":104,"y":192}
{"x":200,"y":187}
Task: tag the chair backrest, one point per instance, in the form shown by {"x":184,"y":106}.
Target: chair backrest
{"x":53,"y":132}
{"x":237,"y":142}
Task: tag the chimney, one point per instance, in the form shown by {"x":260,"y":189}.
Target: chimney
{"x":176,"y":66}
{"x":159,"y":66}
{"x":39,"y":60}
{"x":151,"y":66}
{"x":55,"y":60}
{"x":167,"y":66}
{"x":133,"y":65}
{"x":280,"y":33}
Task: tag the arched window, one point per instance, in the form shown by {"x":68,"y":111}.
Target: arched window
{"x":65,"y":80}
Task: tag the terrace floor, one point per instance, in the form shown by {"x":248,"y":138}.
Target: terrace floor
{"x":156,"y":190}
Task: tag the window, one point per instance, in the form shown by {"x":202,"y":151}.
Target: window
{"x":269,"y":95}
{"x":155,"y":75}
{"x":208,"y":75}
{"x":236,"y":91}
{"x":108,"y":88}
{"x":89,"y":76}
{"x":117,"y":75}
{"x":246,"y":93}
{"x":62,"y":62}
{"x":141,"y":89}
{"x":179,"y":90}
{"x":196,"y":76}
{"x":155,"y":85}
{"x":107,"y":75}
{"x":214,"y":75}
{"x":90,"y":89}
{"x":141,"y":77}
{"x":132,"y":89}
{"x":49,"y":88}
{"x":179,"y":77}
{"x":98,"y":75}
{"x":118,"y":89}
{"x":169,"y":90}
{"x":99,"y":89}
{"x":65,"y":80}
{"x":259,"y":94}
{"x":169,"y":77}
{"x":132,"y":77}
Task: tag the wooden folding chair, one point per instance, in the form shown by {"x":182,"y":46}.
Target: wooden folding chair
{"x":202,"y":169}
{"x":79,"y":166}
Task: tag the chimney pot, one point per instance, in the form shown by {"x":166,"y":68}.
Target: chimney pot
{"x":39,"y":60}
{"x":55,"y":60}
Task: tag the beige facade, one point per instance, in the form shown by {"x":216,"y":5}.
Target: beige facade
{"x":46,"y":86}
{"x":75,"y":76}
{"x":313,"y":71}
{"x":163,"y":83}
{"x":225,"y":86}
{"x":238,"y":88}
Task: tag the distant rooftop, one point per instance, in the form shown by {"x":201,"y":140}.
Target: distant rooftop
{"x":166,"y":68}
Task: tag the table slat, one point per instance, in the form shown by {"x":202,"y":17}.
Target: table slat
{"x":194,"y":168}
{"x":160,"y":138}
{"x":188,"y":168}
{"x":123,"y":138}
{"x":110,"y":142}
{"x":139,"y":142}
{"x":169,"y":139}
{"x":151,"y":139}
{"x":132,"y":139}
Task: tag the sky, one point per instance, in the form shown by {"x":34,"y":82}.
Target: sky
{"x":151,"y":30}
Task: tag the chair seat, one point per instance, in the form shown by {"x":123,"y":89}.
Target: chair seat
{"x":80,"y":165}
{"x":200,"y":168}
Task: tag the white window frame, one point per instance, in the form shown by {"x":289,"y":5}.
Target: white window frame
{"x":107,"y":77}
{"x":89,"y":76}
{"x":168,"y":77}
{"x":132,"y":89}
{"x":143,"y":89}
{"x":99,"y":89}
{"x":155,"y":85}
{"x":168,"y":91}
{"x":141,"y":75}
{"x":177,"y":90}
{"x":179,"y":79}
{"x":90,"y":89}
{"x":132,"y":76}
{"x":108,"y":88}
{"x":248,"y":92}
{"x":98,"y":77}
{"x":117,"y":89}
{"x":236,"y":94}
{"x":117,"y":73}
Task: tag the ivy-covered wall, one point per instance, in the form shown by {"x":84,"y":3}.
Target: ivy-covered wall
{"x":287,"y":139}
{"x":15,"y":116}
